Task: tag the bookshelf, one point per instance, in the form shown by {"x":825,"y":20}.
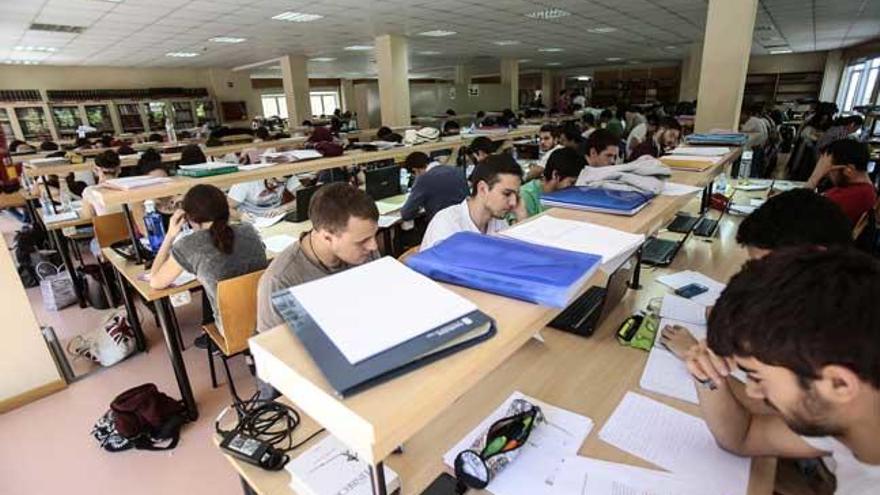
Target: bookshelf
{"x":635,"y":86}
{"x":783,"y":87}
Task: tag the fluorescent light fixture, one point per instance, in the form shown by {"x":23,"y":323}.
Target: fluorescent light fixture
{"x":584,"y":78}
{"x":524,"y":60}
{"x":22,"y":62}
{"x":358,"y":48}
{"x":322,"y":59}
{"x":614,"y":59}
{"x":506,"y":42}
{"x":227,"y":39}
{"x":553,"y":64}
{"x":670,"y":47}
{"x":634,"y":62}
{"x":297,"y":17}
{"x":602,"y":30}
{"x":182,"y":54}
{"x":429,"y":52}
{"x":550,"y":50}
{"x":780,"y":51}
{"x":437,"y":33}
{"x":45,"y":49}
{"x":548,"y":14}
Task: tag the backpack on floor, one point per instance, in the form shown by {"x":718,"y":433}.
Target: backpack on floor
{"x":142,"y":418}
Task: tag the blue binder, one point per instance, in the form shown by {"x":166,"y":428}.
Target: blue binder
{"x":597,"y":199}
{"x":729,"y":139}
{"x":508,"y":267}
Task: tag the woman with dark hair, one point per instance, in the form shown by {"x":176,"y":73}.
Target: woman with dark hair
{"x":192,"y":154}
{"x":214,"y":251}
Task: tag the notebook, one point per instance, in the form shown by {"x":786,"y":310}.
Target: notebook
{"x":508,"y":267}
{"x":329,"y":467}
{"x":599,"y":200}
{"x":721,"y":139}
{"x":135,"y":182}
{"x":687,"y":162}
{"x":206,"y":169}
{"x":360,"y":336}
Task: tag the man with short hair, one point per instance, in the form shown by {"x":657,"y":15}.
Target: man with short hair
{"x":845,"y":163}
{"x":436,"y":187}
{"x":603,"y":148}
{"x":344,"y":225}
{"x":843,"y":129}
{"x":641,"y":131}
{"x":561,"y":171}
{"x":803,"y":324}
{"x":664,"y":139}
{"x":494,"y":195}
{"x":548,"y":142}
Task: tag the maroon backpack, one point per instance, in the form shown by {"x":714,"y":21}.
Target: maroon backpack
{"x":143,"y":418}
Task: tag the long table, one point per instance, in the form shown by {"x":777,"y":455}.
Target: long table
{"x":376,"y":422}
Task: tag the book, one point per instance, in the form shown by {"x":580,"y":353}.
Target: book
{"x":135,"y":182}
{"x":721,"y":139}
{"x":331,"y":468}
{"x":700,"y":150}
{"x":508,"y":267}
{"x":206,"y":169}
{"x":597,"y":199}
{"x":360,"y":336}
{"x":690,"y":162}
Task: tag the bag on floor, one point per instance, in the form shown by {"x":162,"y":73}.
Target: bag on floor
{"x":142,"y":418}
{"x":110,"y":343}
{"x":56,"y":286}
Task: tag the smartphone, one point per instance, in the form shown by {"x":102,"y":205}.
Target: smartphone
{"x":691,"y":290}
{"x":445,"y":484}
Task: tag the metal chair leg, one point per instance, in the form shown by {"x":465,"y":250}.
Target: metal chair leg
{"x":210,"y":349}
{"x":229,"y":381}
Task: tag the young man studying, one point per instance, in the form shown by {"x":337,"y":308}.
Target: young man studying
{"x":664,"y":139}
{"x":603,"y":148}
{"x":436,"y":187}
{"x":494,"y":195}
{"x":845,"y":163}
{"x":548,"y":142}
{"x":561,"y":171}
{"x":803,"y":324}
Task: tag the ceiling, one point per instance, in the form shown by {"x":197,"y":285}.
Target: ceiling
{"x":141,"y":32}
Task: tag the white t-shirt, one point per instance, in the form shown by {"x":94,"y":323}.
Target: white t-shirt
{"x":90,"y":194}
{"x":636,"y":136}
{"x":454,"y":219}
{"x":853,"y":476}
{"x":757,"y":130}
{"x":255,"y":197}
{"x":579,"y":100}
{"x":542,"y":162}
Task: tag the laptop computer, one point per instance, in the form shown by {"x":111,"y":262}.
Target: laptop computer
{"x":303,"y":199}
{"x":383,"y":182}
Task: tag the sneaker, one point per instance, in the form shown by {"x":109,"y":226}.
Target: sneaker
{"x":202,"y":341}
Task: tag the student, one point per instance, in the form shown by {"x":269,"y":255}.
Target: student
{"x":150,"y":161}
{"x":494,"y":195}
{"x":603,"y":148}
{"x":561,"y":171}
{"x":106,"y":167}
{"x":266,"y":197}
{"x":845,"y":163}
{"x":383,"y":133}
{"x":758,"y":131}
{"x":633,"y":117}
{"x":436,"y":187}
{"x":802,"y":324}
{"x":548,"y":142}
{"x":843,"y":129}
{"x":571,"y":138}
{"x":192,"y":154}
{"x":616,"y":124}
{"x":48,"y":145}
{"x":214,"y":251}
{"x":642,"y":130}
{"x":451,"y":128}
{"x":664,"y":139}
{"x":480,"y":149}
{"x":588,"y":123}
{"x":344,"y":225}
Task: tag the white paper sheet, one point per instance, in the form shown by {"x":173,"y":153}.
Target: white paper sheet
{"x":676,"y":189}
{"x":261,"y":222}
{"x":372,"y":321}
{"x":204,"y":166}
{"x":665,"y":373}
{"x":676,"y":441}
{"x":278,"y":243}
{"x":329,"y":466}
{"x":681,"y":279}
{"x":700,"y":150}
{"x":679,"y":308}
{"x":740,"y":209}
{"x":393,"y":203}
{"x":577,"y":236}
{"x":388,"y":220}
{"x":586,"y":476}
{"x":128,"y":183}
{"x":183,"y":279}
{"x":534,"y":470}
{"x":256,"y":166}
{"x":60,"y":217}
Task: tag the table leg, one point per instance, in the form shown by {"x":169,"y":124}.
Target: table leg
{"x":706,"y":197}
{"x":132,"y":233}
{"x":172,"y":344}
{"x":377,"y":479}
{"x":131,"y":309}
{"x":635,"y":283}
{"x":61,"y":244}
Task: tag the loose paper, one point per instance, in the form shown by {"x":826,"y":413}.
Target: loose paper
{"x":676,"y":189}
{"x":585,"y":476}
{"x":278,"y":243}
{"x":576,"y":236}
{"x":665,"y":373}
{"x":679,"y":308}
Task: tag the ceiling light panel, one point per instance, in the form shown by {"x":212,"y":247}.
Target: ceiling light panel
{"x":437,"y":33}
{"x":550,"y":50}
{"x":228,"y":39}
{"x":506,"y":43}
{"x":548,"y":14}
{"x":602,"y":30}
{"x":297,"y":17}
{"x":322,"y":59}
{"x":44,"y":49}
{"x":358,"y":48}
{"x":182,"y":54}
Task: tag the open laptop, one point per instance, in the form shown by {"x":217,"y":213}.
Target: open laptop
{"x":303,"y":199}
{"x":383,"y":182}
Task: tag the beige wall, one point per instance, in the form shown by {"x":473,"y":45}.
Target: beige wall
{"x":25,"y":363}
{"x":792,"y":62}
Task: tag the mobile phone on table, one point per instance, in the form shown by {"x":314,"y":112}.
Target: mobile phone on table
{"x":691,"y":290}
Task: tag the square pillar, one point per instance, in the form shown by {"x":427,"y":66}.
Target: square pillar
{"x":295,"y":80}
{"x":393,"y":65}
{"x":510,"y":79}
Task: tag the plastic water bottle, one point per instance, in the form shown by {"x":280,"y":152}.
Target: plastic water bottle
{"x":745,"y":165}
{"x":155,"y":228}
{"x":404,"y":180}
{"x":45,"y":201}
{"x":66,"y":205}
{"x":721,"y":184}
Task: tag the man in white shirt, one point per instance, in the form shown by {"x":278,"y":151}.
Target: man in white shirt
{"x":548,"y":142}
{"x":803,"y":324}
{"x":266,"y":197}
{"x":494,"y":196}
{"x":640,"y":132}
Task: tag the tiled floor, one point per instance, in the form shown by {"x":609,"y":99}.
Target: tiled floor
{"x":47,"y":448}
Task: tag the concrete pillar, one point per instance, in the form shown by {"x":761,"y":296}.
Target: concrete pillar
{"x":295,"y":80}
{"x":392,"y":60}
{"x":510,"y":80}
{"x":346,"y":90}
{"x":690,"y":73}
{"x":463,"y":75}
{"x":726,"y":48}
{"x":547,"y":96}
{"x":831,"y":80}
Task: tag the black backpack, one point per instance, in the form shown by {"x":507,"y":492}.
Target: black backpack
{"x":143,"y":418}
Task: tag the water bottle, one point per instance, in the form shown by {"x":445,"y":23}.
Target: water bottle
{"x":745,"y":165}
{"x":66,"y":205}
{"x":155,"y":228}
{"x":721,"y":184}
{"x":45,"y":201}
{"x":404,"y":180}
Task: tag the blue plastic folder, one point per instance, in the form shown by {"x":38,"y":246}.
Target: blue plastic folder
{"x":597,"y":199}
{"x":508,"y":267}
{"x":730,"y":139}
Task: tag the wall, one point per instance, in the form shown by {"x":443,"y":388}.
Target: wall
{"x":834,"y":66}
{"x":792,"y":62}
{"x":428,"y":99}
{"x":27,"y":371}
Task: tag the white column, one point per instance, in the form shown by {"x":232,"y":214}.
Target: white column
{"x":726,"y":48}
{"x":393,"y":63}
{"x":346,"y":90}
{"x":831,"y":79}
{"x":510,"y":79}
{"x":547,"y":96}
{"x":690,"y":73}
{"x":295,"y":79}
{"x":463,"y":74}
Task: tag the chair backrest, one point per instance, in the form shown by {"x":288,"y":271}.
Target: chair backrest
{"x":110,"y":229}
{"x":237,"y":308}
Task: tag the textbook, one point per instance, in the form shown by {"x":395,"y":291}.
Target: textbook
{"x":720,"y":139}
{"x":206,"y":169}
{"x":597,"y":199}
{"x":690,"y":162}
{"x":329,"y":467}
{"x":508,"y":267}
{"x":135,"y":182}
{"x":360,"y":335}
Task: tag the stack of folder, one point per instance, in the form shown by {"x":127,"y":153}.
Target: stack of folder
{"x":597,"y":199}
{"x":206,"y":169}
{"x":690,"y":162}
{"x":722,"y":139}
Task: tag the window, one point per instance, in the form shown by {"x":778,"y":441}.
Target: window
{"x":66,"y":121}
{"x":98,"y":116}
{"x":155,"y":115}
{"x":324,"y":102}
{"x":274,"y":106}
{"x":858,"y":85}
{"x":33,"y":123}
{"x":130,"y":118}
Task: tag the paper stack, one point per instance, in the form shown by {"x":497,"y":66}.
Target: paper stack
{"x":138,"y":181}
{"x":329,"y":467}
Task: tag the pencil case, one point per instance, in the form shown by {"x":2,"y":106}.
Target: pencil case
{"x":500,"y":446}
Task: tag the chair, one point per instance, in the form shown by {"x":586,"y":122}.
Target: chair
{"x":237,"y":309}
{"x":110,"y":229}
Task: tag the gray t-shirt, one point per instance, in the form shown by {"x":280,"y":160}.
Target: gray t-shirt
{"x":196,"y":254}
{"x":290,"y":268}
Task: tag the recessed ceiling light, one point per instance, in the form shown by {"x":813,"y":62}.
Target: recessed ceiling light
{"x":602,"y":30}
{"x":182,"y":54}
{"x":506,"y":42}
{"x":614,"y":59}
{"x":780,"y":51}
{"x":22,"y":62}
{"x":227,"y":39}
{"x":550,"y":50}
{"x":524,"y":60}
{"x":548,"y":14}
{"x":429,"y":52}
{"x":322,"y":59}
{"x":358,"y":48}
{"x":553,"y":63}
{"x":437,"y":33}
{"x":297,"y":17}
{"x":47,"y":49}
{"x":670,"y":47}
